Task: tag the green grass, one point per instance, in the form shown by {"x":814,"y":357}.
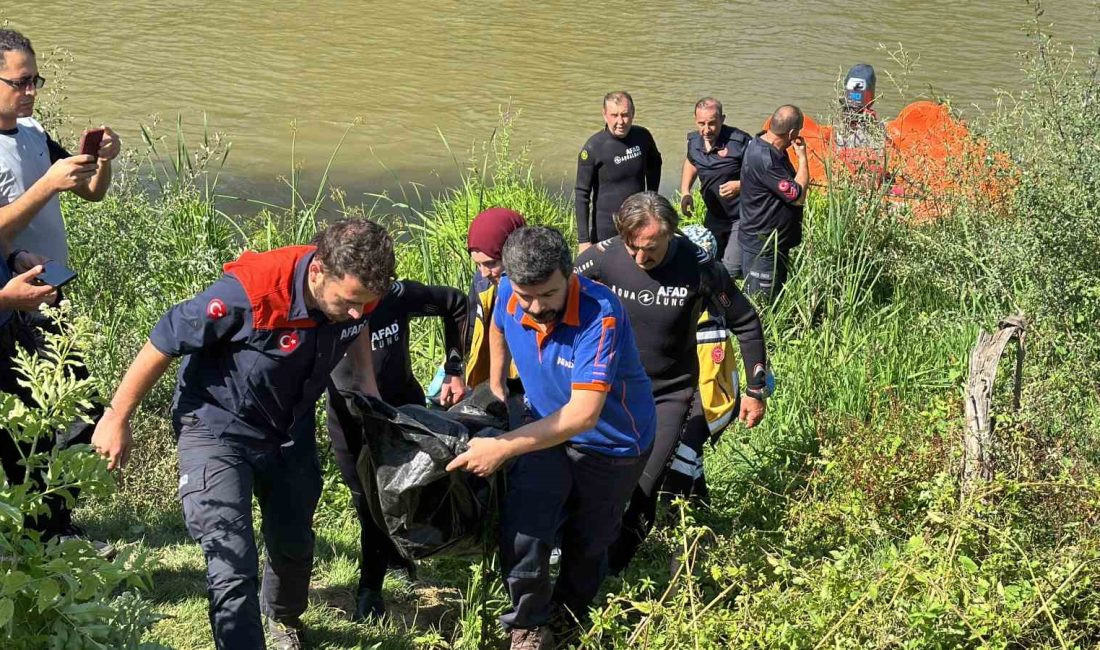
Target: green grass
{"x":837,"y":523}
{"x":421,"y":612}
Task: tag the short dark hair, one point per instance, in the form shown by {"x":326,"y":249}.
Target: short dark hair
{"x":533,"y":253}
{"x":708,"y":102}
{"x":785,"y":119}
{"x":618,"y":97}
{"x":13,"y":41}
{"x":360,"y":248}
{"x":640,"y":209}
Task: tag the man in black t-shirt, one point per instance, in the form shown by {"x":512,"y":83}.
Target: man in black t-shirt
{"x":664,"y":282}
{"x":772,"y":195}
{"x":389,"y":332}
{"x":714,"y":152}
{"x":616,"y":162}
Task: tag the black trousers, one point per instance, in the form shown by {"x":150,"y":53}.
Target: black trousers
{"x":684,"y":476}
{"x":25,"y":332}
{"x":568,"y":494}
{"x":376,"y":551}
{"x":218,"y":478}
{"x":765,"y":272}
{"x":729,"y":248}
{"x":672,"y":409}
{"x":674,"y":469}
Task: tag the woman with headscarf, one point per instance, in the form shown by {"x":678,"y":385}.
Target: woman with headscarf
{"x":485,"y":241}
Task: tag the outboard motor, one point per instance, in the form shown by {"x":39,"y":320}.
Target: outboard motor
{"x":859,"y":88}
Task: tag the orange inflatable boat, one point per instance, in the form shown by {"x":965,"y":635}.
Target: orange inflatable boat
{"x":928,"y":161}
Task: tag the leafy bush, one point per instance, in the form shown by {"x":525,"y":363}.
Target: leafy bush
{"x":60,"y":594}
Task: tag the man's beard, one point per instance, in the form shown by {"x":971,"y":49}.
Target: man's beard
{"x":545,"y":317}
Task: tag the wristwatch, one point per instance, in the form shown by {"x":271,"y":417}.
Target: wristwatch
{"x":762,"y":373}
{"x":759,"y":393}
{"x":454,"y":366}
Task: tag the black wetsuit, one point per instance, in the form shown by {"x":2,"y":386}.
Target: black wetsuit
{"x":389,"y":331}
{"x":664,"y":305}
{"x":608,"y":171}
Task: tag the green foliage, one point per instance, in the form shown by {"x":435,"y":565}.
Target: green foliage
{"x":60,"y":594}
{"x":839,"y":521}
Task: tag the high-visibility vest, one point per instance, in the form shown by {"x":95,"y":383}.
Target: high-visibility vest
{"x":719,"y":385}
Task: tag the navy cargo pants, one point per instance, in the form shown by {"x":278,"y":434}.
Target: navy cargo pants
{"x":765,"y":272}
{"x":217,"y":480}
{"x":583,"y":495}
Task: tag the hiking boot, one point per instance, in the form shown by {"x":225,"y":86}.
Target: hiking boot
{"x":370,"y":606}
{"x":540,"y":638}
{"x":283,"y":636}
{"x":72,"y":532}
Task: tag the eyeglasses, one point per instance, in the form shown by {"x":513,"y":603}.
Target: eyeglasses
{"x":37,"y":81}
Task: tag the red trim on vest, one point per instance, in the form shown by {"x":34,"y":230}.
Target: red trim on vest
{"x":268,"y":280}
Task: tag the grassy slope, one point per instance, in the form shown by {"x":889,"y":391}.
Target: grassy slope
{"x":838,"y":522}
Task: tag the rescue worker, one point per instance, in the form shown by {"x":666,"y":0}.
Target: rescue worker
{"x":714,"y":152}
{"x":258,"y":347}
{"x":772,"y":196}
{"x":389,"y":341}
{"x":573,"y":466}
{"x":614,"y":163}
{"x":665,"y":283}
{"x":485,"y":243}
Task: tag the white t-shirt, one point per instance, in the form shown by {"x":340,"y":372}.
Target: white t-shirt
{"x":24,"y":158}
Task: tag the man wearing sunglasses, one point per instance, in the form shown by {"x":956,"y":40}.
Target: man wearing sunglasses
{"x":34,"y":169}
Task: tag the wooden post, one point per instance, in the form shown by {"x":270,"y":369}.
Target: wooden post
{"x":978,"y":446}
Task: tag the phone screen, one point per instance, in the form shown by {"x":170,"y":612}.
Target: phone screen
{"x":56,"y":274}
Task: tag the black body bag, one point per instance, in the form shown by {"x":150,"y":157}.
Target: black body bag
{"x":402,"y":468}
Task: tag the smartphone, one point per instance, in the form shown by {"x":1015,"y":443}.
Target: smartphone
{"x":56,"y":274}
{"x":90,"y":141}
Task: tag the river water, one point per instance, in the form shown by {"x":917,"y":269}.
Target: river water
{"x":408,"y":71}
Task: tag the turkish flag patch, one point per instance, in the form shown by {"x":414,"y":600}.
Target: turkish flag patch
{"x":718,"y":354}
{"x":289,"y":342}
{"x":215,"y":309}
{"x":788,"y":189}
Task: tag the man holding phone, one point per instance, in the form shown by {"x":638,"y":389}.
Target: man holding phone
{"x":21,"y":293}
{"x":772,"y":195}
{"x":34,"y":169}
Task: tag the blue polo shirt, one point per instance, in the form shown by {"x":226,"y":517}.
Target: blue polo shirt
{"x":591,"y":348}
{"x":256,"y":359}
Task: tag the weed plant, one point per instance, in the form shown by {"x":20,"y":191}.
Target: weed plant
{"x":839,"y":522}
